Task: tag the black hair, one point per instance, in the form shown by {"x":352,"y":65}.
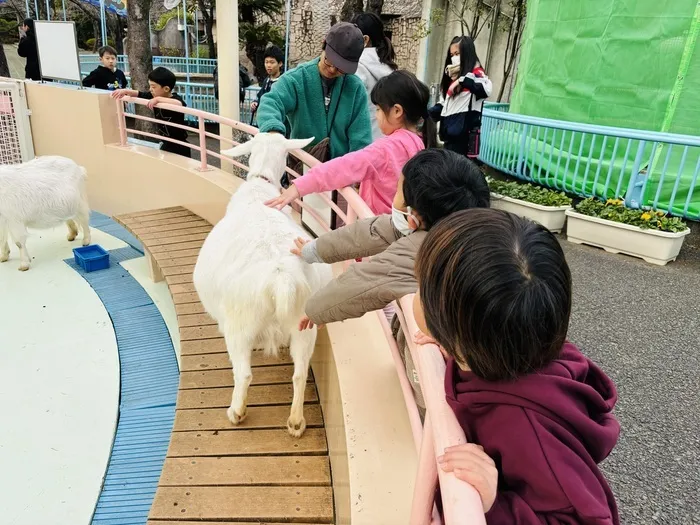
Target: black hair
{"x":496,"y":292}
{"x":371,"y":25}
{"x":163,"y":77}
{"x":439,"y":182}
{"x":107,"y":50}
{"x":468,"y":60}
{"x":29,"y":23}
{"x":274,"y":52}
{"x":403,"y":88}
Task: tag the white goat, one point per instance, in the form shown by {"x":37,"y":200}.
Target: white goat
{"x":41,"y":193}
{"x":251,"y":284}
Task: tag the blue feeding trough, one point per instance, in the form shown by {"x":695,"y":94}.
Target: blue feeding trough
{"x":91,"y":258}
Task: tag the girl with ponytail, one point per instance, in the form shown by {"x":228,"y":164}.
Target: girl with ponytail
{"x":377,"y":60}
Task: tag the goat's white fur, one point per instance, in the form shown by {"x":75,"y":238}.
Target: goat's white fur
{"x":41,"y":193}
{"x":251,"y":284}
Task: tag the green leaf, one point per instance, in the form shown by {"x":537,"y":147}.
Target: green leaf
{"x":615,"y":210}
{"x":529,"y":193}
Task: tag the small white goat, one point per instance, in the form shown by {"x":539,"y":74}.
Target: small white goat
{"x":251,"y":284}
{"x":41,"y":193}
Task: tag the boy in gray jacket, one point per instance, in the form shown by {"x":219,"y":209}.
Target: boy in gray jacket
{"x":434,"y":184}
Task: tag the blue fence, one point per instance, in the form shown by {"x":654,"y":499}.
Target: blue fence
{"x":197,"y":66}
{"x":647,"y":169}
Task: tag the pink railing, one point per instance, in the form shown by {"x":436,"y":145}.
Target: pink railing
{"x":460,"y":502}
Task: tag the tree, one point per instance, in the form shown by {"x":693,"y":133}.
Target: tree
{"x":256,"y":36}
{"x":139,"y":50}
{"x":515,"y":28}
{"x":4,"y":66}
{"x":350,"y":9}
{"x":207,"y":9}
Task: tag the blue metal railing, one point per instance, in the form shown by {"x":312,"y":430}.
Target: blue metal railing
{"x":647,"y":169}
{"x":195,"y":66}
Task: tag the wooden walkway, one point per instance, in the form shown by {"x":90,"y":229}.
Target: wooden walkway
{"x":214,"y":471}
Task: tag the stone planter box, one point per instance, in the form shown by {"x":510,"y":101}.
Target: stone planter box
{"x":655,"y":247}
{"x":551,"y":217}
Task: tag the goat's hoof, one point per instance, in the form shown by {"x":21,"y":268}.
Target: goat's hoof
{"x":4,"y":258}
{"x":71,"y":237}
{"x":296,"y":428}
{"x":235,"y":417}
{"x":86,"y":242}
{"x":23,"y":268}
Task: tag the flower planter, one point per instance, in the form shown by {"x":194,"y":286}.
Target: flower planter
{"x":551,"y":217}
{"x":654,"y":246}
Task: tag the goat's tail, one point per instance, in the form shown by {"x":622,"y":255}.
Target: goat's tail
{"x":289,"y":289}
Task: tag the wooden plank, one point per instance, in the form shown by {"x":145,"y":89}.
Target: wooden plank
{"x":182,"y":288}
{"x":165,"y":248}
{"x":167,"y":215}
{"x":262,"y":503}
{"x":179,"y":279}
{"x":201,"y":346}
{"x":182,"y":298}
{"x":179,"y":240}
{"x":179,"y":261}
{"x":221,"y":361}
{"x":227,"y":471}
{"x":265,"y":375}
{"x":189,"y":308}
{"x":168,"y":227}
{"x":165,"y":222}
{"x":145,"y":213}
{"x":185,"y":321}
{"x":194,"y":252}
{"x":177,"y":270}
{"x":273,"y":416}
{"x":148,"y":237}
{"x":198,"y":332}
{"x":259,"y":395}
{"x":246,"y":443}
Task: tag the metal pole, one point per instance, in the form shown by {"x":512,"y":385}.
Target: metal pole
{"x":29,"y":15}
{"x":187,"y":50}
{"x":36,"y":10}
{"x":196,"y":29}
{"x":64,"y":9}
{"x":48,"y":11}
{"x":286,"y":35}
{"x":103,"y":23}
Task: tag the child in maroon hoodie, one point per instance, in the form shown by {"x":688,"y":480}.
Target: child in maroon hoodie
{"x":495,"y":294}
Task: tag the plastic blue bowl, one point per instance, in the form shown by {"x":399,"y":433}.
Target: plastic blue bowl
{"x":91,"y":258}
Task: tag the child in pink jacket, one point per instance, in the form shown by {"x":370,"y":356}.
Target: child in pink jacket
{"x":402,"y":102}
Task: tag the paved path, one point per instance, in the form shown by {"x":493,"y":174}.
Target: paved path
{"x":641,"y":323}
{"x":15,"y":61}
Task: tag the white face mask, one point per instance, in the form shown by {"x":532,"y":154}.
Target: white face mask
{"x":400,"y":220}
{"x":455,"y":60}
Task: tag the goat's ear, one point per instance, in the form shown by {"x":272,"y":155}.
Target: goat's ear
{"x":298,"y":143}
{"x":238,"y":151}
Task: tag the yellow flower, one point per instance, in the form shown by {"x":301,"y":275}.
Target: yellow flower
{"x":660,"y":213}
{"x":646,"y":216}
{"x":614,"y":202}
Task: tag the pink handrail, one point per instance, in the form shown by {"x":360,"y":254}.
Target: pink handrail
{"x":460,"y":501}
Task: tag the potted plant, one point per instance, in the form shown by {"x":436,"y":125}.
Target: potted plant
{"x":548,"y":207}
{"x":648,"y":234}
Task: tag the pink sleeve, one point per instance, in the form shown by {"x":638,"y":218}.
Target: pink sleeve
{"x":346,"y":170}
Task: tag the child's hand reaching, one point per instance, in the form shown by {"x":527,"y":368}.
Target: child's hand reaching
{"x":299,"y":244}
{"x":421,"y":339}
{"x":470,"y":463}
{"x":152,"y":103}
{"x":306,"y":323}
{"x":285,"y":198}
{"x":119,"y":94}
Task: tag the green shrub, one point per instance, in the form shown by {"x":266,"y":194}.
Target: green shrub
{"x":615,"y":210}
{"x":529,"y":193}
{"x":203,"y":52}
{"x":90,"y":43}
{"x":169,"y":15}
{"x":171,"y":52}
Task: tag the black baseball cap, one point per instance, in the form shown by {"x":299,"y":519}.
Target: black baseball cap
{"x":344,"y":46}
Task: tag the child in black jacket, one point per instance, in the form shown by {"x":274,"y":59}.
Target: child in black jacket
{"x":106,"y":75}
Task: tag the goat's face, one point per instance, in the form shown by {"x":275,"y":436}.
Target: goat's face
{"x":268,"y":154}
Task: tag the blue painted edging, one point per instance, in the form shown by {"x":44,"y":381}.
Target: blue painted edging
{"x":149,"y":381}
{"x":107,"y":225}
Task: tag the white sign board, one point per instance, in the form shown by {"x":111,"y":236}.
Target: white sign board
{"x":57,"y":45}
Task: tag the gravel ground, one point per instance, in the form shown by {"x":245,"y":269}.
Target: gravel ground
{"x":641,"y":324}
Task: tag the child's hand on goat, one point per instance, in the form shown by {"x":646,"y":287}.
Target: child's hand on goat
{"x":306,"y":323}
{"x":470,"y":463}
{"x":299,"y":244}
{"x":287,"y":196}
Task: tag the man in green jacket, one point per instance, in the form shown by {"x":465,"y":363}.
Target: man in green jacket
{"x":323,"y":98}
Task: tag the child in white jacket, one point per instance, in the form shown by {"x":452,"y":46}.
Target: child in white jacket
{"x":376,"y":62}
